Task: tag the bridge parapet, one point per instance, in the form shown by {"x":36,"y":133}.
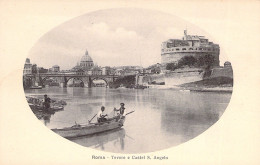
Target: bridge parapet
{"x":63,"y":78}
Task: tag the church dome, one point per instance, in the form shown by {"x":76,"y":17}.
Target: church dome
{"x":86,"y":58}
{"x":86,"y":62}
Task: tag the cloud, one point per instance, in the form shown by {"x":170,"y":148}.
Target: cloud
{"x":169,"y":32}
{"x":110,"y":39}
{"x":118,"y":44}
{"x":103,"y":33}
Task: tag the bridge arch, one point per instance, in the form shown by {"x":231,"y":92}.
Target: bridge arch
{"x":43,"y":79}
{"x":100,"y":78}
{"x":76,"y":78}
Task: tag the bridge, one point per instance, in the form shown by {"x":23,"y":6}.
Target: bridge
{"x":63,"y":78}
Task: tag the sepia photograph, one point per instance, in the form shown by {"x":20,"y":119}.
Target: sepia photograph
{"x":129,"y":82}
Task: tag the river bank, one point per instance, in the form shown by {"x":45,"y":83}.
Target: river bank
{"x":195,"y":89}
{"x":215,"y":89}
{"x":216,"y":84}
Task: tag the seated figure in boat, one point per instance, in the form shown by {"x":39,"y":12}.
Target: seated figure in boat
{"x":121,"y":111}
{"x":47,"y":102}
{"x":101,"y":116}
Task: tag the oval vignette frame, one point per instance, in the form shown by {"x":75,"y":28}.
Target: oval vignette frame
{"x":86,"y":45}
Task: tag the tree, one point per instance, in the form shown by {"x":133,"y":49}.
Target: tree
{"x":209,"y":60}
{"x":171,"y":66}
{"x":187,"y":60}
{"x":42,"y":70}
{"x":200,"y":61}
{"x":206,"y":61}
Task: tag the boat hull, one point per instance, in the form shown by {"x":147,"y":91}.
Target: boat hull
{"x":36,"y":87}
{"x":77,"y":131}
{"x":54,"y":108}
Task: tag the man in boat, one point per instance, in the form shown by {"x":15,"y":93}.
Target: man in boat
{"x":121,"y":111}
{"x":101,"y":116}
{"x":46,"y":102}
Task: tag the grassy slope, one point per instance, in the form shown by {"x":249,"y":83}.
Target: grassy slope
{"x":212,"y":82}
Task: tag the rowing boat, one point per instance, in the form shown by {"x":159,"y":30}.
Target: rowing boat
{"x":91,"y":128}
{"x":40,"y":107}
{"x":38,"y":104}
{"x":36,"y":87}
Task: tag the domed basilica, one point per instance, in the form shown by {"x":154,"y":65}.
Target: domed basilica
{"x":86,"y":63}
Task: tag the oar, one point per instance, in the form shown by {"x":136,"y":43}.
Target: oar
{"x":92,"y":118}
{"x":129,"y":137}
{"x":129,"y":113}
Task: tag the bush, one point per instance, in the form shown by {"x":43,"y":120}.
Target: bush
{"x":206,"y":61}
{"x":171,"y":66}
{"x":126,"y":81}
{"x":187,"y":60}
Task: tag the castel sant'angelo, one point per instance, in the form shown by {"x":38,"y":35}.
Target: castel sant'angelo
{"x":173,"y":50}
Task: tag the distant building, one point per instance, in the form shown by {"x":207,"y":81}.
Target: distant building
{"x":27,"y":67}
{"x":129,"y":71}
{"x":42,"y":70}
{"x":112,"y":71}
{"x":173,"y":50}
{"x":86,"y":62}
{"x":55,"y":68}
{"x":96,"y":71}
{"x":118,"y":72}
{"x":106,"y":70}
{"x":80,"y":72}
{"x":153,"y":69}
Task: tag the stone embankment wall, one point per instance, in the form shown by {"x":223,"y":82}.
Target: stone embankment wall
{"x":182,"y":76}
{"x":222,"y":72}
{"x":146,"y":79}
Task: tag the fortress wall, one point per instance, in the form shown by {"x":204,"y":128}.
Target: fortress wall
{"x":222,"y":72}
{"x":178,"y":78}
{"x":174,"y":78}
{"x":172,"y":57}
{"x":158,"y":78}
{"x":150,"y":78}
{"x":176,"y":56}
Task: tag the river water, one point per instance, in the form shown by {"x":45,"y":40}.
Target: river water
{"x":163,"y":118}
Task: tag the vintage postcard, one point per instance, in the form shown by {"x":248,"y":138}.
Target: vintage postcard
{"x":129,"y":82}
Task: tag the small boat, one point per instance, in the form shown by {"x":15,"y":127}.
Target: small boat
{"x":140,"y":87}
{"x":90,"y":129}
{"x":37,"y":104}
{"x":185,"y":90}
{"x":40,"y":107}
{"x":36,"y":87}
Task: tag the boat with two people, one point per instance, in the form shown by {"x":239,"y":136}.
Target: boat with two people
{"x":78,"y":130}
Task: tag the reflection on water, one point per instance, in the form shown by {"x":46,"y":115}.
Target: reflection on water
{"x":44,"y":115}
{"x":162,"y":118}
{"x":99,"y":140}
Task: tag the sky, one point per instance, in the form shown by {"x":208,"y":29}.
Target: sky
{"x":112,"y":37}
